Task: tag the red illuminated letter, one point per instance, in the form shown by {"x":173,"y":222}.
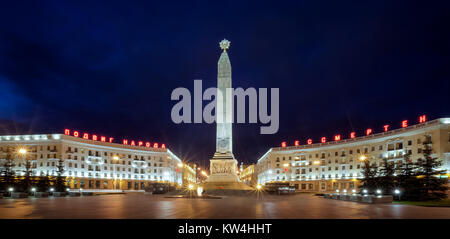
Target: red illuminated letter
{"x":404,"y":123}
{"x":368,"y":131}
{"x":323,"y":140}
{"x":283,"y":144}
{"x":132,"y":143}
{"x":163,"y":146}
{"x":147,"y":144}
{"x":309,"y":141}
{"x":125,"y":141}
{"x":296,"y":143}
{"x":67,"y":131}
{"x":103,"y":138}
{"x":85,"y":136}
{"x":352,"y":135}
{"x":76,"y":134}
{"x":94,"y":137}
{"x":337,"y":137}
{"x":140,"y":143}
{"x":111,"y":139}
{"x":155,"y":145}
{"x":422,"y":119}
{"x":386,"y":127}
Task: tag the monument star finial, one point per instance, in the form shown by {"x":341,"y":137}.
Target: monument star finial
{"x":224,"y":44}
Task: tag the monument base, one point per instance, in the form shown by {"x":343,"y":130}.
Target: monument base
{"x":223,"y":175}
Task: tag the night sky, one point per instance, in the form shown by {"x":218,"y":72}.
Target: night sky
{"x":109,"y":68}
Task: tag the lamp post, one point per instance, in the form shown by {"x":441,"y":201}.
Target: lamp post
{"x":397,"y":192}
{"x":116,"y":159}
{"x":190,"y":188}
{"x":181,"y":169}
{"x":23,"y":152}
{"x":258,"y":190}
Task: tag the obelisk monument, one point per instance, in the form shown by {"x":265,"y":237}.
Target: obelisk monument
{"x":223,"y":165}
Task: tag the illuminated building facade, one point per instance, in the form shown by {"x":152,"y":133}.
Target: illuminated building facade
{"x":189,"y":173}
{"x":337,"y":165}
{"x":93,"y":164}
{"x":247,"y":174}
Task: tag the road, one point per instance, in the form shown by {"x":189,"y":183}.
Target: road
{"x":156,"y":206}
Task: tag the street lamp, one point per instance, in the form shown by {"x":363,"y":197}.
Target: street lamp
{"x":11,"y":189}
{"x":396,"y":191}
{"x":22,"y":151}
{"x":180,"y":165}
{"x":365,"y":191}
{"x":190,"y":188}
{"x":362,"y":157}
{"x":258,"y":190}
{"x":115,"y":158}
{"x":378,"y":191}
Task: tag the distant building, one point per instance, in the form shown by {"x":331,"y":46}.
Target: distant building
{"x":336,"y":165}
{"x":189,"y":174}
{"x":247,"y":174}
{"x":91,"y":164}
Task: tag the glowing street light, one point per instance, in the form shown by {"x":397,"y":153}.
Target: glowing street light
{"x":33,"y":189}
{"x":115,"y":157}
{"x":365,"y":191}
{"x":22,"y":151}
{"x":258,"y":186}
{"x":204,"y":173}
{"x":362,"y":157}
{"x":396,"y":191}
{"x":190,"y":186}
{"x":11,"y":189}
{"x":52,"y":189}
{"x":180,"y":165}
{"x":378,"y":191}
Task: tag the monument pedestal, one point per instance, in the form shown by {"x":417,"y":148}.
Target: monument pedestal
{"x":223,"y":174}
